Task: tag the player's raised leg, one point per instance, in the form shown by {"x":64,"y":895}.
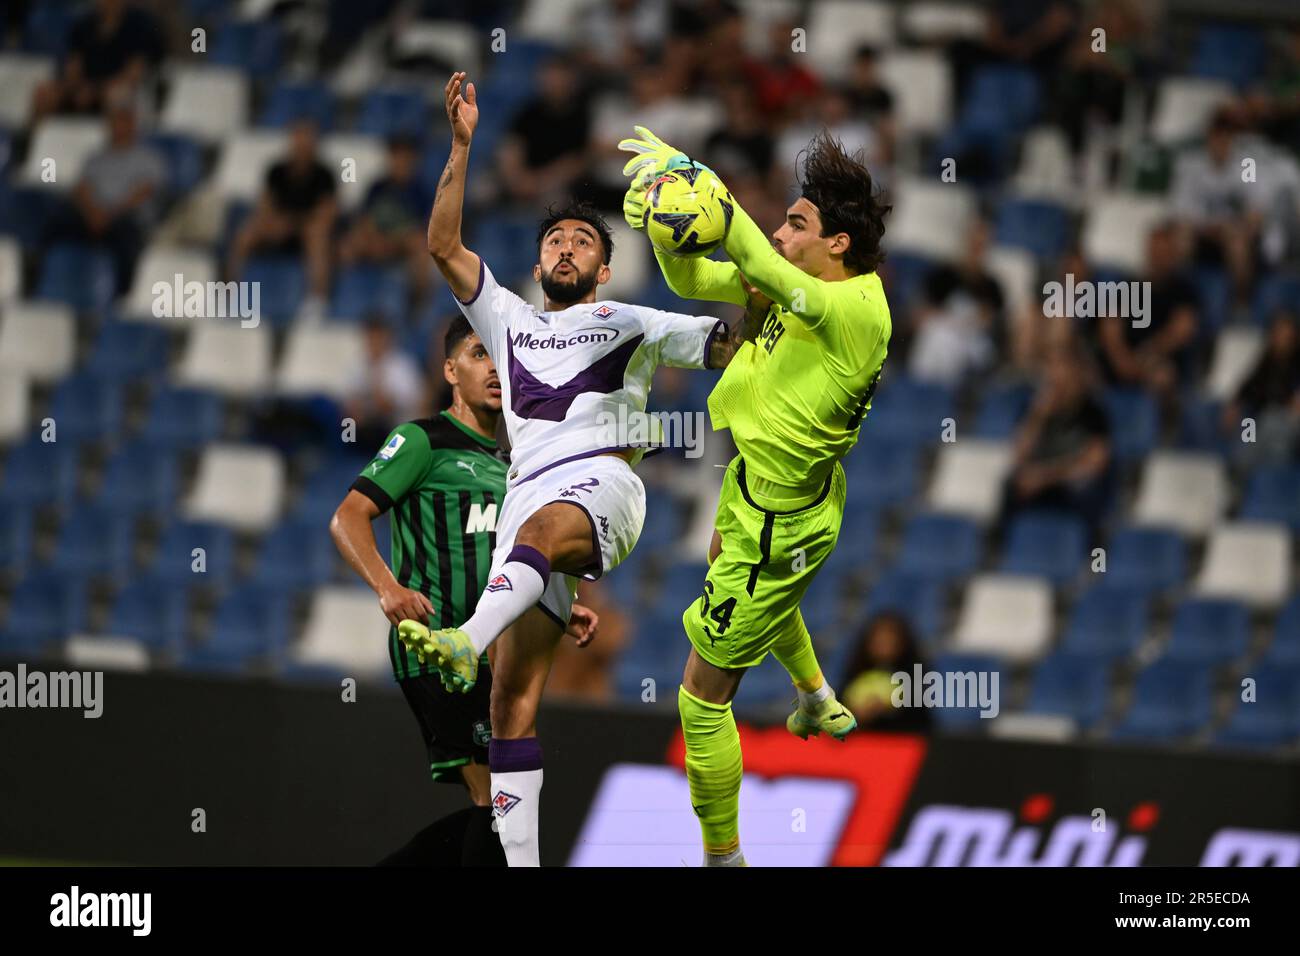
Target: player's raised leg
{"x":818,"y":710}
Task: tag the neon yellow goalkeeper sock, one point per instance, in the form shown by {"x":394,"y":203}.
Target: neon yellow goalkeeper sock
{"x":795,"y":652}
{"x":713,"y":769}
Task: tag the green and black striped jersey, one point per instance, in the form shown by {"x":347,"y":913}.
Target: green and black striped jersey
{"x":443,"y":485}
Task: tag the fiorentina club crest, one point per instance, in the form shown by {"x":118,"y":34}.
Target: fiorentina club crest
{"x":604,"y":312}
{"x":500,"y":583}
{"x":503,"y":803}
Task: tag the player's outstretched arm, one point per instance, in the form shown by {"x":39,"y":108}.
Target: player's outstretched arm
{"x":765,"y":268}
{"x":458,"y":265}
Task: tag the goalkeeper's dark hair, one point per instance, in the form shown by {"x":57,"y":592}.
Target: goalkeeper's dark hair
{"x":578,"y":209}
{"x":458,"y":330}
{"x":841,"y":188}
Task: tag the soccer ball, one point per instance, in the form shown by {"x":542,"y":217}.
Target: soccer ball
{"x":687,"y":212}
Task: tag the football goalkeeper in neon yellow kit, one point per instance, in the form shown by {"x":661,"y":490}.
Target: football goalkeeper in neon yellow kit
{"x":794,"y":395}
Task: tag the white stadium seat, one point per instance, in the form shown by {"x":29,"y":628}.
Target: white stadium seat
{"x":244,"y":161}
{"x":98,"y":653}
{"x":1046,"y":168}
{"x":225,"y":357}
{"x":342,"y":626}
{"x":207,"y":102}
{"x":930,"y":218}
{"x":38,"y":340}
{"x":759,"y":15}
{"x":1185,"y":491}
{"x":940,"y":22}
{"x":1116,"y":227}
{"x":1016,"y":271}
{"x":549,"y":20}
{"x":11,"y":270}
{"x":15,"y":407}
{"x":1008,"y":615}
{"x":320,"y":360}
{"x":1184,"y":105}
{"x":921,"y":81}
{"x":20,"y":75}
{"x":1236,"y":350}
{"x":968,"y":478}
{"x":238,"y":486}
{"x":454,"y":43}
{"x":69,"y":141}
{"x":836,"y":28}
{"x":1249,"y":562}
{"x":369,"y":155}
{"x":162,"y":263}
{"x":634,"y":263}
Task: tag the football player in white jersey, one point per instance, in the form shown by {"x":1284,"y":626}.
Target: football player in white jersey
{"x":573,"y":507}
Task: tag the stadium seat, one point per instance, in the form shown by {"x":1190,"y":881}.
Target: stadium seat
{"x":907,"y":410}
{"x":1170,"y":699}
{"x":1284,"y":649}
{"x":1231,"y":53}
{"x":369,"y":158}
{"x":1145,"y":560}
{"x":971,"y":667}
{"x":1074,"y":686}
{"x":968,"y":478}
{"x":246,"y":157}
{"x":1001,"y":409}
{"x":291,"y":102}
{"x":66,"y":140}
{"x":931,"y":218}
{"x":919,"y":599}
{"x":940,"y":23}
{"x":251,"y":622}
{"x":153,"y":612}
{"x":1201,"y":427}
{"x":253,"y":46}
{"x":183,"y":418}
{"x":1051,"y":544}
{"x":1236,"y":350}
{"x":1181,"y":490}
{"x":184,"y":159}
{"x":15,"y":407}
{"x":1210,"y":631}
{"x":87,"y":409}
{"x":295,"y":557}
{"x":127,"y":351}
{"x":1184,"y":105}
{"x":1039,"y":226}
{"x":1272,"y":719}
{"x":15,"y":539}
{"x":141,"y":478}
{"x":1004,"y":614}
{"x":46,"y":606}
{"x":37,"y":340}
{"x":838,"y":27}
{"x":1279,"y":291}
{"x":162,"y":263}
{"x":95,"y":541}
{"x":1273,"y":494}
{"x":281,"y":284}
{"x":1247,"y":561}
{"x":240,"y":486}
{"x":364,"y":291}
{"x":344,"y":629}
{"x":320,"y":360}
{"x":664,"y":526}
{"x":78,"y":275}
{"x":451,"y":44}
{"x":1016,"y":271}
{"x":1045,"y":169}
{"x":209,"y":103}
{"x":1115,"y":230}
{"x":387,"y":112}
{"x":941,"y":546}
{"x":20,"y":75}
{"x":25,"y":212}
{"x":921,"y":81}
{"x":40,"y":473}
{"x":191,"y":555}
{"x":96,"y":652}
{"x":1107,"y":623}
{"x":891,"y":466}
{"x":226,"y":358}
{"x":11,"y":262}
{"x":1000,"y":98}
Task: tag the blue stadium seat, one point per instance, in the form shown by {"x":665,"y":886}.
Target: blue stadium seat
{"x":1001,"y":408}
{"x":1214,"y":290}
{"x":1274,"y":495}
{"x":47,"y":606}
{"x":917,"y":597}
{"x":1145,"y":559}
{"x":1107,"y":623}
{"x":1233,"y":53}
{"x":295,"y":557}
{"x":858,"y":530}
{"x":1200,"y":426}
{"x":1050,"y":544}
{"x":153,"y":611}
{"x":142,"y":477}
{"x":1279,"y":291}
{"x":1134,"y":422}
{"x":881,"y":472}
{"x":1074,"y":686}
{"x":1000,"y":98}
{"x":25,"y":212}
{"x":325,"y":490}
{"x":251,"y":622}
{"x":824,"y":600}
{"x":1272,"y":719}
{"x":184,"y":158}
{"x":283,"y":282}
{"x":176,"y":559}
{"x":968,"y":717}
{"x":387,"y":112}
{"x":907,"y":410}
{"x":183,"y":418}
{"x":1284,"y":650}
{"x":40,"y":473}
{"x":15,"y":539}
{"x":94,"y":540}
{"x":941,"y":546}
{"x":87,"y":409}
{"x":365,"y":291}
{"x":1171,"y":699}
{"x":768,"y":686}
{"x":78,"y":275}
{"x":903,"y":275}
{"x":48,"y":27}
{"x":681,"y":584}
{"x":1209,"y":630}
{"x":1036,"y":225}
{"x":128,"y":351}
{"x":656,"y":650}
{"x":663,"y":526}
{"x":290,"y":102}
{"x":249,"y":45}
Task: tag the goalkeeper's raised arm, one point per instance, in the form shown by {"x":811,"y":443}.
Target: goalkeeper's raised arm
{"x":458,"y":265}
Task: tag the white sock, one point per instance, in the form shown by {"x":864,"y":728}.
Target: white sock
{"x":512,"y":591}
{"x":516,"y":797}
{"x":808,"y":700}
{"x":734,"y":858}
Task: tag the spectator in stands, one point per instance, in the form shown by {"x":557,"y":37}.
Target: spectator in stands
{"x":545,"y":146}
{"x":111,"y":49}
{"x":587,"y":673}
{"x":872,"y":100}
{"x":116,"y":200}
{"x":832,"y":111}
{"x":1271,"y":396}
{"x":1162,"y":355}
{"x":387,"y":390}
{"x":296,"y":211}
{"x":958,"y":324}
{"x":783,"y":85}
{"x":885,"y":647}
{"x":742,"y":147}
{"x":1032,"y":33}
{"x":618,"y":33}
{"x":1035,"y":335}
{"x":391,"y":225}
{"x":1062,"y":452}
{"x":1093,"y":89}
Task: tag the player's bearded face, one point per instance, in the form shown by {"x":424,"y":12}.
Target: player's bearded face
{"x":565,"y":281}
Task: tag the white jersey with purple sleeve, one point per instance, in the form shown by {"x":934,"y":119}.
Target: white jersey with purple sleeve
{"x":567,"y":375}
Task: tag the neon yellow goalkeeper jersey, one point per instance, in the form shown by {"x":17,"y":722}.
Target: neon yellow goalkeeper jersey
{"x":793,"y":398}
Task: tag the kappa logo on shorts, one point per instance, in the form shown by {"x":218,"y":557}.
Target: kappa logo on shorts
{"x":500,"y":583}
{"x":503,"y":803}
{"x":604,"y":526}
{"x":604,"y":312}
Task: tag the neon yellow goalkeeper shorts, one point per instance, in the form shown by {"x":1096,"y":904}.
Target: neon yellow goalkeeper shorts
{"x":753,"y":588}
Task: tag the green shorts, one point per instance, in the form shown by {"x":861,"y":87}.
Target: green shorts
{"x":753,"y":588}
